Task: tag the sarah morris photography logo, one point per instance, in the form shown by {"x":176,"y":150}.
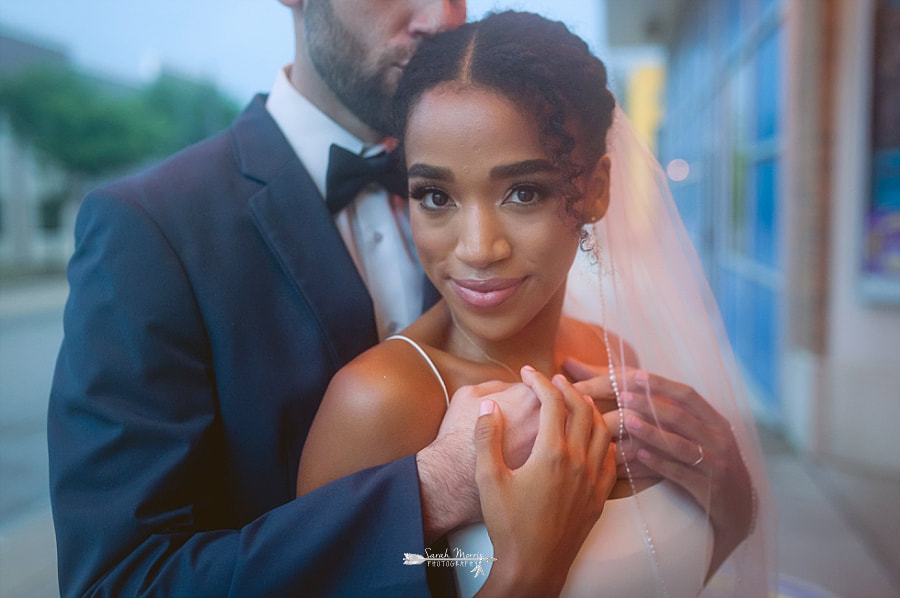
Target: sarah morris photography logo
{"x":443,"y":559}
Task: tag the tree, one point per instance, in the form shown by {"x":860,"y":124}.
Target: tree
{"x":192,"y":109}
{"x":90,"y":130}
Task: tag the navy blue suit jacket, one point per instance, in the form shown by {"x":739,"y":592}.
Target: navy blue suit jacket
{"x":212,"y":299}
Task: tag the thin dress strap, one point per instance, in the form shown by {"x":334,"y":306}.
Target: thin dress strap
{"x":428,"y":359}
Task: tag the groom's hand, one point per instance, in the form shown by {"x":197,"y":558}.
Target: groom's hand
{"x":674,"y":432}
{"x":447,"y":465}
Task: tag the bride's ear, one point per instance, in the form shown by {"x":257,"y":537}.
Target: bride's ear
{"x":597,"y":190}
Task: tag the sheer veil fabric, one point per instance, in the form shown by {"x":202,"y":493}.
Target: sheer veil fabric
{"x":643,"y":282}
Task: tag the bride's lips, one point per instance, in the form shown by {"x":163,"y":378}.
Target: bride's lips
{"x":486,"y":293}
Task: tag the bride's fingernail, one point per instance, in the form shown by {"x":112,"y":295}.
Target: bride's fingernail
{"x":527,"y":368}
{"x":641,"y":377}
{"x":486,"y":407}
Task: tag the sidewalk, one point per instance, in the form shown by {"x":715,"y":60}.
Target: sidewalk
{"x":28,"y":558}
{"x":820,"y":541}
{"x":27,"y":542}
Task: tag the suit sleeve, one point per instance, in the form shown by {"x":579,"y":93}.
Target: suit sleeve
{"x":132,"y":427}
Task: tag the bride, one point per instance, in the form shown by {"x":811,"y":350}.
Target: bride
{"x":548,"y":230}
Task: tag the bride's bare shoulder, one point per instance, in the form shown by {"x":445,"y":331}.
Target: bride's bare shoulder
{"x":391,"y":381}
{"x":382,"y":406}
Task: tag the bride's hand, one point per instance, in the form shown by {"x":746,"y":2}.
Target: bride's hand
{"x":447,"y":465}
{"x":678,"y":435}
{"x":539,"y":514}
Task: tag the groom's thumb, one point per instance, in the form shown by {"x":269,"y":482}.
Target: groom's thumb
{"x":489,"y":462}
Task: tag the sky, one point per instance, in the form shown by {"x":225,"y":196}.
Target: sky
{"x":237,"y":44}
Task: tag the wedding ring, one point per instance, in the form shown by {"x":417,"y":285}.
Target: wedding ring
{"x":700,"y":458}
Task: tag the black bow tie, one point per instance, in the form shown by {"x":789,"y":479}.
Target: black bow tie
{"x":348,"y":173}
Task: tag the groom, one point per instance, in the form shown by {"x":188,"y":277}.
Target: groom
{"x":212,"y":299}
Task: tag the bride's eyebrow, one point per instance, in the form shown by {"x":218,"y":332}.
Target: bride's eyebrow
{"x":426,"y":171}
{"x":521,"y":168}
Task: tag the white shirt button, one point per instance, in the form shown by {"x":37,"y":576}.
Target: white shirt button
{"x":377,"y":237}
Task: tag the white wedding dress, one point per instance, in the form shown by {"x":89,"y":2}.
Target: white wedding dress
{"x":615,"y":559}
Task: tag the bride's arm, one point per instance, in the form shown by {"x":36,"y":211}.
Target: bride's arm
{"x":380,"y":407}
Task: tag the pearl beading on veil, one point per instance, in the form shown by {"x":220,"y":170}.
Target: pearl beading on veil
{"x":648,"y":540}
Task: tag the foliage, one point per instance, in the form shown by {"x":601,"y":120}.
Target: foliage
{"x":193,"y":110}
{"x":92,"y":127}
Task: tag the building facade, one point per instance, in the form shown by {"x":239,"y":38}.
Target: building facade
{"x":785,"y":114}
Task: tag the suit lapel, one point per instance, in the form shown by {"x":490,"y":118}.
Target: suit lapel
{"x":291,"y":215}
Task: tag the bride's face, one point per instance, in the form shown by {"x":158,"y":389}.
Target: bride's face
{"x":486,"y":215}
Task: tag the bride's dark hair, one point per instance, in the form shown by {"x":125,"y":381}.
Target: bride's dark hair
{"x":536,"y":63}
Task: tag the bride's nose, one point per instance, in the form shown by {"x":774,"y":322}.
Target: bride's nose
{"x":482,"y":239}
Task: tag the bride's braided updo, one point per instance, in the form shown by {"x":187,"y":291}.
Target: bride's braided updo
{"x":535,"y":63}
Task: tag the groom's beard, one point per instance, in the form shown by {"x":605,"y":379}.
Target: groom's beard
{"x":339,"y":58}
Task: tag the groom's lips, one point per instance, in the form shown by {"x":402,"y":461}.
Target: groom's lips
{"x":486,"y":293}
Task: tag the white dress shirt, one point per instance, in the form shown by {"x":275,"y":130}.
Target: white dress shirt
{"x":375,"y":226}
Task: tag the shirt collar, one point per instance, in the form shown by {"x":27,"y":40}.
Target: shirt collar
{"x":308,"y":130}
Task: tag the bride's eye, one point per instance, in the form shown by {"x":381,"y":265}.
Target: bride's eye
{"x":525,"y":195}
{"x":431,"y":198}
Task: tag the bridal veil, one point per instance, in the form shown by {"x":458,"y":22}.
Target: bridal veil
{"x":643,"y":282}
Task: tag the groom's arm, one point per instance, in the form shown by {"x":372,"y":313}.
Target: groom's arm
{"x":136,"y":457}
